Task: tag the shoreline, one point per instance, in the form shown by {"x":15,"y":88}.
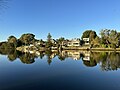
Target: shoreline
{"x":25,"y":49}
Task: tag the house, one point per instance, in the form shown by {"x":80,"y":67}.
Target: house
{"x":86,"y":40}
{"x":73,"y":42}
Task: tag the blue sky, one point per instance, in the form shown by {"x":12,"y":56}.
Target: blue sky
{"x":61,"y":18}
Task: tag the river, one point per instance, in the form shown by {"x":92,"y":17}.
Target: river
{"x":66,"y":70}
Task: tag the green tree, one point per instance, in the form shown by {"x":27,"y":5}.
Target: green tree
{"x":113,"y":38}
{"x":105,"y":33}
{"x":60,"y":40}
{"x":109,"y":37}
{"x":49,"y":37}
{"x":92,"y":35}
{"x":12,"y":40}
{"x":89,"y":34}
{"x":28,"y":38}
{"x":86,"y":34}
{"x":49,"y":42}
{"x":95,"y":42}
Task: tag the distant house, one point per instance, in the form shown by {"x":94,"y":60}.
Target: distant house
{"x":86,"y":40}
{"x":73,"y":42}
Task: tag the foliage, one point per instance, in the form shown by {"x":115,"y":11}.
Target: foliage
{"x":90,"y":63}
{"x":48,"y":54}
{"x":95,"y":42}
{"x":6,"y":45}
{"x":49,"y":37}
{"x":110,"y":38}
{"x":89,"y":34}
{"x":60,"y":40}
{"x":28,"y":38}
{"x":92,"y":35}
{"x":12,"y":40}
{"x":49,"y":42}
{"x":27,"y":58}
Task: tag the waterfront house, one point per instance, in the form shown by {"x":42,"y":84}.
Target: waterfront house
{"x":74,"y":42}
{"x":86,"y":41}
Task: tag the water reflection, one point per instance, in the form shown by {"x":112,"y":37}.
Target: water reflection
{"x":106,"y":60}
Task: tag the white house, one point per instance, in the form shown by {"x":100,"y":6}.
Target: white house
{"x":86,"y":40}
{"x":74,"y":42}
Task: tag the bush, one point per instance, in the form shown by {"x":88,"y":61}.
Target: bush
{"x":113,"y":46}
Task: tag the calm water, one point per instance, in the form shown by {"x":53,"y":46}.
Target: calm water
{"x":67,"y":70}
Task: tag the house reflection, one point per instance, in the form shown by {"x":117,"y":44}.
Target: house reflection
{"x":72,"y":54}
{"x":76,"y":55}
{"x":53,"y":55}
{"x":86,"y":56}
{"x":106,"y":60}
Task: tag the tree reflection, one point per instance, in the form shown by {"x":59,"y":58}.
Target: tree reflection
{"x":112,"y":62}
{"x":62,"y":56}
{"x":41,"y":55}
{"x":106,"y":60}
{"x":49,"y":58}
{"x":12,"y":56}
{"x":90,"y":63}
{"x":27,"y":58}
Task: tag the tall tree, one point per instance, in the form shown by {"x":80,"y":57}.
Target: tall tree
{"x":49,"y":37}
{"x":92,"y":35}
{"x":49,"y":43}
{"x":109,"y":37}
{"x":27,"y":38}
{"x":60,"y":40}
{"x":86,"y":34}
{"x":12,"y":40}
{"x":89,"y":34}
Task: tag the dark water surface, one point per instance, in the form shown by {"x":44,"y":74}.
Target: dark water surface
{"x":65,"y":71}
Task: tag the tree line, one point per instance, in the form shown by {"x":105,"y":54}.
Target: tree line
{"x":107,"y":39}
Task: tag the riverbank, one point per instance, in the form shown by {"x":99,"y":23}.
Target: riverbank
{"x":91,"y":49}
{"x":105,"y":49}
{"x":34,"y":49}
